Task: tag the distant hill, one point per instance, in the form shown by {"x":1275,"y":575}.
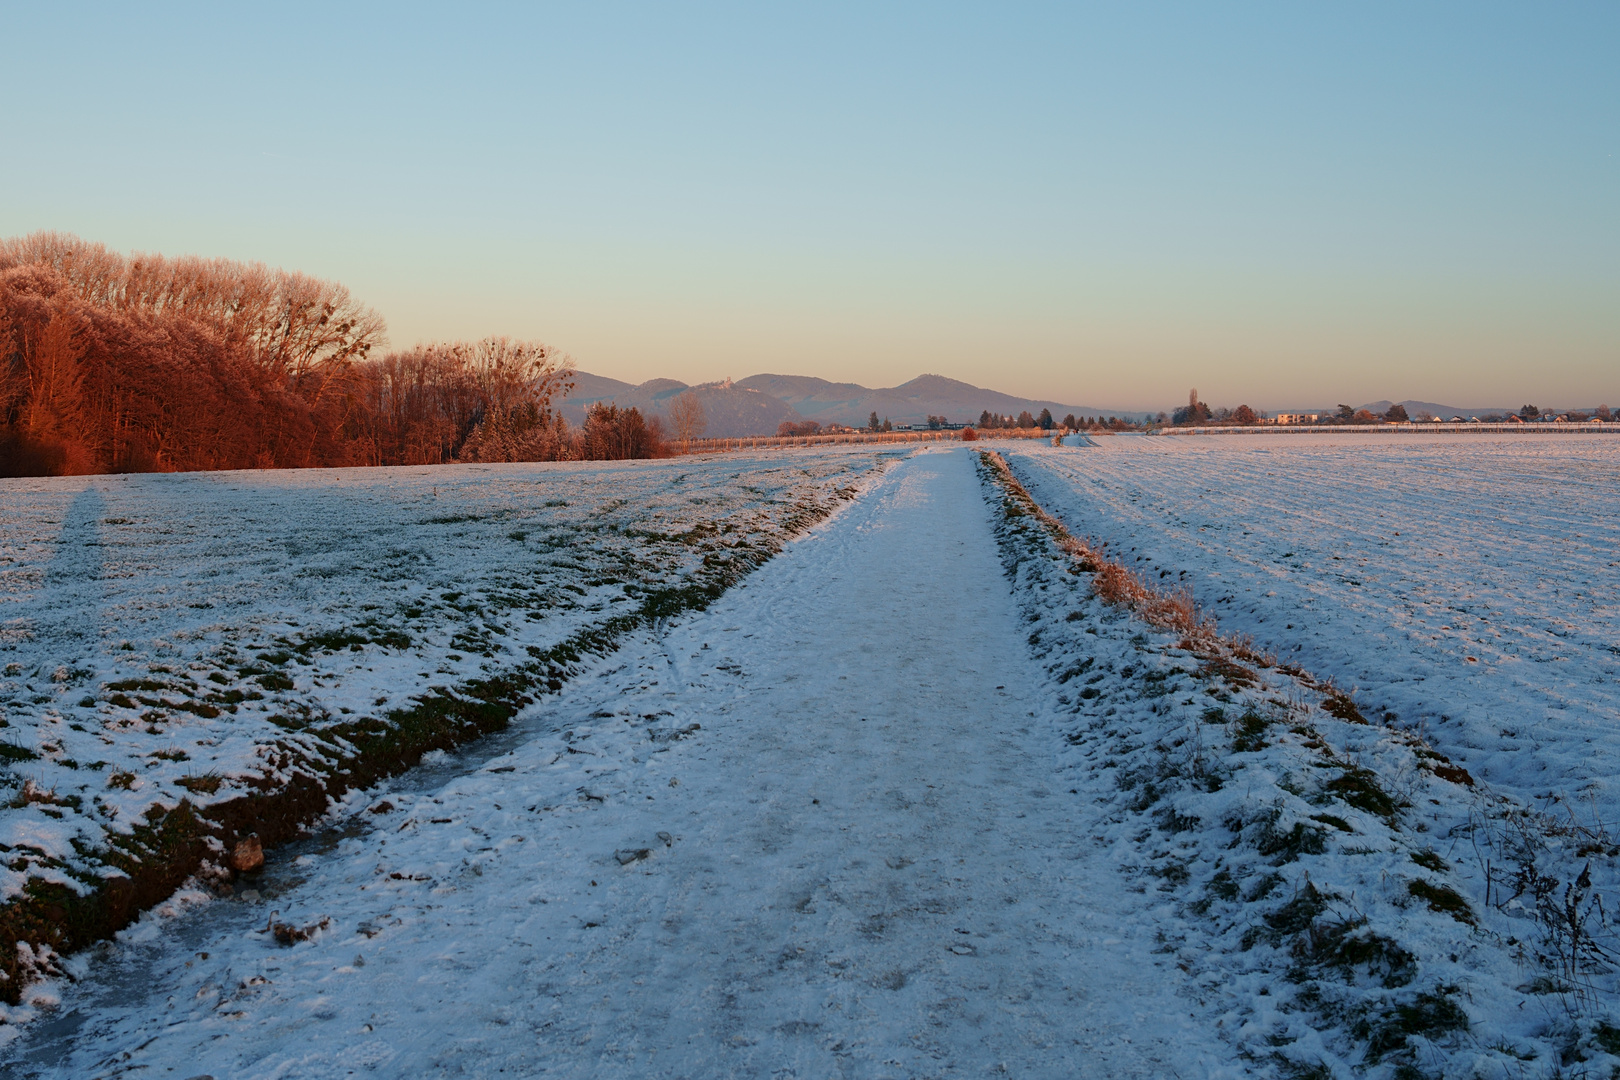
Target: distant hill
{"x":809,"y":396}
{"x":758,"y":404}
{"x":1444,"y":412}
{"x":730,"y":411}
{"x":909,"y":403}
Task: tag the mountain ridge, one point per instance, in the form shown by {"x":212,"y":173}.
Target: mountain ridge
{"x":758,"y":404}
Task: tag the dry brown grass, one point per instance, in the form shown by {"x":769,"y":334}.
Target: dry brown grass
{"x":1223,"y":655}
{"x":1116,"y":583}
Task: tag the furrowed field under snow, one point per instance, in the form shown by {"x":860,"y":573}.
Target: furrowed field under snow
{"x":1467,"y":585}
{"x":1463,"y":590}
{"x":203,"y":637}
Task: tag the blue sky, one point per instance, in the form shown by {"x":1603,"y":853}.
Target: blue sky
{"x":1283,"y":205}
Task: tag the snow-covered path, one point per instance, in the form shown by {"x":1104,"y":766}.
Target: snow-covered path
{"x":859,"y":864}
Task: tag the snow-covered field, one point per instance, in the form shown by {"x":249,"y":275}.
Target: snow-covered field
{"x":1464,"y":591}
{"x":198,"y":636}
{"x":1468,"y":586}
{"x":912,"y":801}
{"x":816,"y":830}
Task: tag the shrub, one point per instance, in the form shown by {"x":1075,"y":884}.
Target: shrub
{"x":788,"y":429}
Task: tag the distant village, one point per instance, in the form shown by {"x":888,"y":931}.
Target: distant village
{"x":1198,"y":414}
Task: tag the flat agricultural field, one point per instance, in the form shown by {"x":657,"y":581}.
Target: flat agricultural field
{"x":1467,"y":586}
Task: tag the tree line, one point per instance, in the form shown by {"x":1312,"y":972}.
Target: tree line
{"x":113,"y":363}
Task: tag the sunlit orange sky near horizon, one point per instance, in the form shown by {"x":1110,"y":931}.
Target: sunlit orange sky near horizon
{"x":1287,"y":206}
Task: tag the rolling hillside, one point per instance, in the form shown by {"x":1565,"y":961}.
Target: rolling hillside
{"x":757,"y":404}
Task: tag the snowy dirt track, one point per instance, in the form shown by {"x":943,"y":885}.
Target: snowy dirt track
{"x":818,"y":830}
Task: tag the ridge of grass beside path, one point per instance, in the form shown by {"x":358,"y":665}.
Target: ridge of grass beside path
{"x":1349,"y":902}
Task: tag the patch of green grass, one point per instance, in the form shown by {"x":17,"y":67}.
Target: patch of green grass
{"x":1296,"y":915}
{"x":1428,"y":1014}
{"x":1251,"y":729}
{"x":12,"y":752}
{"x":1333,"y":820}
{"x":1359,"y":788}
{"x":1079,"y":667}
{"x":1430,"y":861}
{"x":354,"y":640}
{"x":1442,"y":898}
{"x":1285,"y":847}
{"x":1220,"y":887}
{"x":1345,"y":945}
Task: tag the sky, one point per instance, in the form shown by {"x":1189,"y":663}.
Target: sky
{"x":1282,"y":205}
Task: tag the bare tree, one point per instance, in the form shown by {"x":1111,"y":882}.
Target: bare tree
{"x":686,"y":413}
{"x":516,"y":383}
{"x":298,"y":328}
{"x":143,"y":362}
